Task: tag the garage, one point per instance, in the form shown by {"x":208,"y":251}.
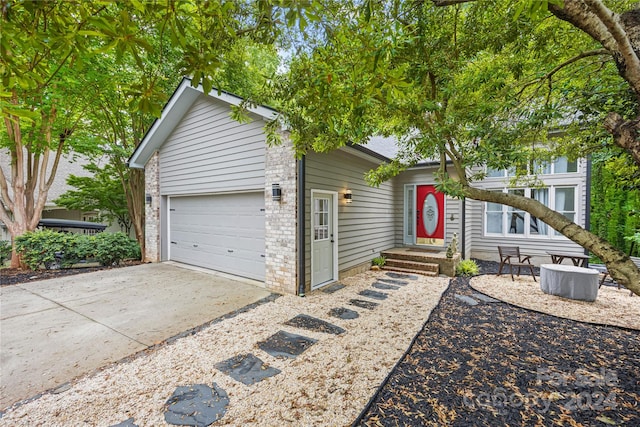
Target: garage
{"x":220,"y":232}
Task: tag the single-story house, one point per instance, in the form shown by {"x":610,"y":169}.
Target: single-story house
{"x":220,"y":197}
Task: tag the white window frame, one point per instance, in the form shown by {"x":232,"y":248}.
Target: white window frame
{"x":550,"y":234}
{"x":508,"y":173}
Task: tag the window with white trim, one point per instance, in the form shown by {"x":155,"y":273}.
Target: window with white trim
{"x":503,"y":220}
{"x":558,"y":166}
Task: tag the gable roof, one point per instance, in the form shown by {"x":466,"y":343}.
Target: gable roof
{"x":378,"y":147}
{"x":181,"y":100}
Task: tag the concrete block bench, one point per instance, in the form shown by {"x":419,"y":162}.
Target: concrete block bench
{"x":569,"y":281}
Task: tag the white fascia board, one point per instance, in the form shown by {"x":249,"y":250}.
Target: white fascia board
{"x":266,"y":113}
{"x":175,"y":109}
{"x":178,"y":105}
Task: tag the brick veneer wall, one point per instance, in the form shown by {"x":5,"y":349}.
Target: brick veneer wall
{"x":280,"y":219}
{"x":152,"y":211}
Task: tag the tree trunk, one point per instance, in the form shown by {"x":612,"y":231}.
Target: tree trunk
{"x":21,"y":211}
{"x":620,"y":266}
{"x":620,"y":35}
{"x":135,"y":203}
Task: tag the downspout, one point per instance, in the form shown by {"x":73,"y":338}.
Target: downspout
{"x":301,"y":227}
{"x":463,"y":242}
{"x":587,"y":214}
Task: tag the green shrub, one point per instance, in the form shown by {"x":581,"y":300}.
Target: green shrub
{"x":77,"y":247}
{"x":5,"y":251}
{"x":467,"y":267}
{"x":379,"y":261}
{"x":111,"y":248}
{"x":39,"y":247}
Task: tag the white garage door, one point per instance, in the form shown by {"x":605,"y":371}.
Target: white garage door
{"x":223,"y":232}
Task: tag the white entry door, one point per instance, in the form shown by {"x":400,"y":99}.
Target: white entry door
{"x":323,"y":239}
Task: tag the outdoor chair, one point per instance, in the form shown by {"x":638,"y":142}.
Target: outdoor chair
{"x":510,"y":255}
{"x":605,"y":273}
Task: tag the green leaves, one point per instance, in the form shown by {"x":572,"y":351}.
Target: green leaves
{"x":534,"y":8}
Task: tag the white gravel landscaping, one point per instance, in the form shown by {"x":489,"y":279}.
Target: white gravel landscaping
{"x":328,"y":384}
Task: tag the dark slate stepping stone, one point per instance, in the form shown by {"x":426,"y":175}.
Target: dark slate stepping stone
{"x":369,"y":305}
{"x":314,"y":324}
{"x":394,"y":282}
{"x":467,"y":300}
{"x":380,"y":285}
{"x":247,"y":369}
{"x":333,"y":288}
{"x":373,"y":294}
{"x":196,"y":405}
{"x":284,"y":344}
{"x":344,"y":313}
{"x":401,"y":276}
{"x":126,"y":423}
{"x":484,"y":298}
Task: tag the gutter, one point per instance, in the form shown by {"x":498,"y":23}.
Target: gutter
{"x":463,"y":232}
{"x":301,"y":227}
{"x":587,"y":214}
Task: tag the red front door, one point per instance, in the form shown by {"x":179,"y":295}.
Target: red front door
{"x":429,"y":216}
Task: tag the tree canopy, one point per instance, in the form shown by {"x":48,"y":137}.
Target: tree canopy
{"x":49,"y":51}
{"x":475,"y":87}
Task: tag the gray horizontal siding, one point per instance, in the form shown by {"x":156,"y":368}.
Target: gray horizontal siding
{"x":208,"y":152}
{"x":366,"y":226}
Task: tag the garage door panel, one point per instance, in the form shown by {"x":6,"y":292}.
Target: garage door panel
{"x":221,"y":232}
{"x":213,"y":239}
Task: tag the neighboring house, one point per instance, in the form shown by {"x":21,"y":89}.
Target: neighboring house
{"x":69,"y":165}
{"x":219,"y":197}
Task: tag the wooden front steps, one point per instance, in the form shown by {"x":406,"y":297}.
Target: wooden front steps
{"x":420,"y":261}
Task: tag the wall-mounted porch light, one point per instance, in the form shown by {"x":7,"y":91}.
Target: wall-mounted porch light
{"x":348,"y":196}
{"x":276,"y":192}
{"x":147,"y":198}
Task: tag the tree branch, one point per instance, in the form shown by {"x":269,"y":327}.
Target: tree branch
{"x":566,"y":63}
{"x":440,"y":3}
{"x":612,"y":22}
{"x":4,"y":191}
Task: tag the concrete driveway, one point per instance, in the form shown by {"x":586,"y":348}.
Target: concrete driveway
{"x":52,"y":331}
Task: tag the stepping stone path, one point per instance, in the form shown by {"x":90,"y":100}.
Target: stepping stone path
{"x":314,"y":324}
{"x":484,"y":298}
{"x":466,"y":299}
{"x":285,"y":344}
{"x":369,"y":305}
{"x":196,"y":405}
{"x":333,"y":288}
{"x":393,"y":281}
{"x":401,"y":276}
{"x":343,"y":313}
{"x":380,"y":285}
{"x":200,"y":405}
{"x":247,"y":369}
{"x":373,"y":294}
{"x":126,"y":423}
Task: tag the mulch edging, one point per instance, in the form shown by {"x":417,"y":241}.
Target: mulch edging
{"x":497,"y":364}
{"x":13,"y":276}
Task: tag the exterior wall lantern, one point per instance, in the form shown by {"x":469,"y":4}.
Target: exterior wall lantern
{"x":348,"y":196}
{"x":147,"y":198}
{"x":276,"y":192}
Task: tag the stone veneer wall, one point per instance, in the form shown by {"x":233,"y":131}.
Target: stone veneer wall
{"x":281,"y":219}
{"x":152,"y":211}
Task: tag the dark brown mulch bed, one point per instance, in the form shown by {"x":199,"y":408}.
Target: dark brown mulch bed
{"x":14,"y":276}
{"x":495,"y":364}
